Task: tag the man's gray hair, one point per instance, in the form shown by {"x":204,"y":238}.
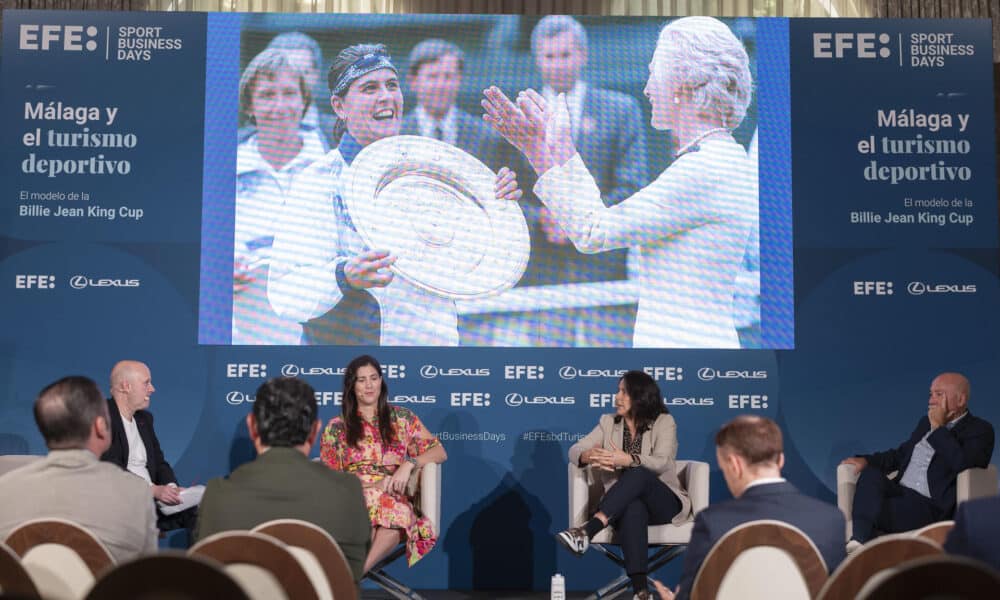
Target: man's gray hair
{"x":711,"y":64}
{"x":553,"y":25}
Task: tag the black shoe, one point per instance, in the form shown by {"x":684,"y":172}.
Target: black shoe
{"x":575,"y":539}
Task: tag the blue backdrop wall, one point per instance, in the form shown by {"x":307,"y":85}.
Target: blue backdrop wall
{"x":878,"y":259}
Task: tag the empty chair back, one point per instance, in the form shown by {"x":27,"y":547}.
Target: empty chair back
{"x":63,"y":558}
{"x":935,"y":532}
{"x":322,"y":551}
{"x":263,"y":566}
{"x":172,"y":575}
{"x":14,"y":579}
{"x":763,"y":573}
{"x":784,"y":563}
{"x":935,"y":577}
{"x":875,"y":556}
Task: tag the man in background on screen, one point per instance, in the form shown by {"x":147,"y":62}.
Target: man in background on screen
{"x":608,"y":132}
{"x":71,"y":483}
{"x":305,"y":53}
{"x":434,"y":73}
{"x":282,"y":483}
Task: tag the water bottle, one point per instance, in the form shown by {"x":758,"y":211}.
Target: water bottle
{"x":558,"y":588}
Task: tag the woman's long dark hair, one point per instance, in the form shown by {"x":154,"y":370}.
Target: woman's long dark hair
{"x":347,"y":57}
{"x":349,"y":404}
{"x":646,"y":399}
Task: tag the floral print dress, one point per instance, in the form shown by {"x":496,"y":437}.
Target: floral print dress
{"x":372,"y":461}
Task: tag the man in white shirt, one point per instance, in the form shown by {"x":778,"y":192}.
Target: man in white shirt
{"x":134,"y":445}
{"x":70,"y":483}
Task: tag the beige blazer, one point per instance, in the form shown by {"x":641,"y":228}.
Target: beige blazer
{"x":115,"y":505}
{"x":659,"y":452}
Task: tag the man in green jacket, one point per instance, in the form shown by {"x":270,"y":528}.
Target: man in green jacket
{"x":282,"y":483}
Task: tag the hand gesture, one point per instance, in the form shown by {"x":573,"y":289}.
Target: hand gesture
{"x":167,"y":494}
{"x":938,"y":414}
{"x":506,"y":187}
{"x":369,"y":269}
{"x":397,"y":483}
{"x":859,"y":462}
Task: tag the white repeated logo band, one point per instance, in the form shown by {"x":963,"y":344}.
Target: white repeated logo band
{"x":79,"y":282}
{"x":237,"y":397}
{"x":292,"y":370}
{"x":432,"y":371}
{"x":571,"y":372}
{"x":709,"y":374}
{"x":515,"y":399}
{"x":919,"y":288}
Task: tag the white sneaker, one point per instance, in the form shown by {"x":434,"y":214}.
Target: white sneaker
{"x":575,"y":539}
{"x":853,"y":545}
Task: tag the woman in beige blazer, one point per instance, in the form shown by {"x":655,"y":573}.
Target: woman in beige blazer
{"x":632,"y":453}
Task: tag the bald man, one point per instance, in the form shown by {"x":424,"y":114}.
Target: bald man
{"x":946,"y":441}
{"x":134,"y":445}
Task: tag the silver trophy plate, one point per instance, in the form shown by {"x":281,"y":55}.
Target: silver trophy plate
{"x":432,"y":205}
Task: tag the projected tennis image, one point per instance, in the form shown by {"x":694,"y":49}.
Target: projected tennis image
{"x":501,"y":181}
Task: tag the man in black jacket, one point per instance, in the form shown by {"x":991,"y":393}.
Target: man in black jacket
{"x":134,"y":446}
{"x":947,"y":441}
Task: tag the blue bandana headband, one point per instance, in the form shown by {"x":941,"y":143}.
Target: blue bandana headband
{"x":361,"y":67}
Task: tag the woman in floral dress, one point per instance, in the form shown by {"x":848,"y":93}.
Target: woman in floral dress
{"x":383,"y":445}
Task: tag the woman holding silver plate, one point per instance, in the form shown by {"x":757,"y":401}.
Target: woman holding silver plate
{"x":322,"y":272}
{"x":692,"y":223}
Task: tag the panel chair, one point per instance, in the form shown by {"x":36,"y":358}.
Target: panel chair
{"x":971,"y":484}
{"x":15,"y":581}
{"x":877,"y":555}
{"x":317,"y":551}
{"x":429,"y":504}
{"x":263,"y":566}
{"x":935,"y":532}
{"x":170,"y":574}
{"x":763,"y":559}
{"x":670,"y":540}
{"x":934,"y":577}
{"x":63,"y":559}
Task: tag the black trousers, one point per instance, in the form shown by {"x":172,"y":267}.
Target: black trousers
{"x":885,"y":506}
{"x":638,"y":499}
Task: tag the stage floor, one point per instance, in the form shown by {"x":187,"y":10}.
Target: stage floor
{"x":478,"y":595}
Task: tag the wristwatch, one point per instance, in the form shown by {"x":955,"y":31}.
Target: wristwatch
{"x":412,"y":461}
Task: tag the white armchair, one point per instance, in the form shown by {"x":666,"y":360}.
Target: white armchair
{"x":429,"y":504}
{"x":971,"y":484}
{"x":669,"y":539}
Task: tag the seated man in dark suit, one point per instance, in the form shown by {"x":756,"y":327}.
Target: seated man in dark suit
{"x":434,"y":73}
{"x":750,"y":453}
{"x":282,"y":483}
{"x":134,"y":445}
{"x":976,"y":533}
{"x":945,"y":442}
